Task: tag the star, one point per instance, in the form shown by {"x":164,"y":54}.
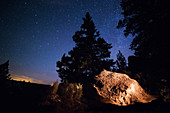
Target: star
{"x":36,"y":22}
{"x":46,"y":27}
{"x":40,"y":46}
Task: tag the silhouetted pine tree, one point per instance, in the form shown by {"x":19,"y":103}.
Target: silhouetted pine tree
{"x":121,"y":62}
{"x":148,"y":21}
{"x":88,"y":57}
{"x":4,"y":71}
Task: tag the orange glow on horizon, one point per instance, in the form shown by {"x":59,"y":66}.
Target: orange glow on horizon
{"x":28,"y":79}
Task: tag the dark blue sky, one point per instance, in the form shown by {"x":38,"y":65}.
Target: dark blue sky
{"x":34,"y":34}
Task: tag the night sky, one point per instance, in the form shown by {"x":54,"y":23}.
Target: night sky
{"x":34,"y":34}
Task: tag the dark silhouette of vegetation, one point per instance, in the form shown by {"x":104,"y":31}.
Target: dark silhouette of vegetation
{"x":4,"y":71}
{"x":54,"y":88}
{"x":121,"y":64}
{"x":88,"y":58}
{"x":67,"y":97}
{"x":71,"y":94}
{"x":148,"y":21}
{"x":19,"y":97}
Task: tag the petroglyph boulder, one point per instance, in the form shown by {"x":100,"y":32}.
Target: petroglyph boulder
{"x":120,"y":89}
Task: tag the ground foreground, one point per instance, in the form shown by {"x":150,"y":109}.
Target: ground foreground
{"x":21,"y":97}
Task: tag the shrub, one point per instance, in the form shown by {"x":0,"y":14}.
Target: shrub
{"x":53,"y":96}
{"x":165,"y":94}
{"x":165,"y":91}
{"x":70,"y":91}
{"x":55,"y":87}
{"x":70,"y":94}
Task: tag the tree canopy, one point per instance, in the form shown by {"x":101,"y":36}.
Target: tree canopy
{"x":88,"y":58}
{"x":121,"y":62}
{"x":148,"y":21}
{"x":4,"y":71}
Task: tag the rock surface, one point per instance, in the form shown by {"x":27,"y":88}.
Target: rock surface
{"x":120,"y":89}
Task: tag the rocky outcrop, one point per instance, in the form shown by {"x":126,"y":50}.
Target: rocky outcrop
{"x":120,"y":89}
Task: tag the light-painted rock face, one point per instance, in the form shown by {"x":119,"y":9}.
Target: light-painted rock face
{"x":120,"y":89}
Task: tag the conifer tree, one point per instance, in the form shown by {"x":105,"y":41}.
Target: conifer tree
{"x":148,"y":22}
{"x":121,"y":62}
{"x":88,"y":58}
{"x":4,"y":71}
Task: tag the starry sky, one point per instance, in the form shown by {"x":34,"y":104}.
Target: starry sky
{"x":34,"y":34}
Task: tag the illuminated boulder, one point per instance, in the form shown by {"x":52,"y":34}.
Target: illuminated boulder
{"x":120,"y":89}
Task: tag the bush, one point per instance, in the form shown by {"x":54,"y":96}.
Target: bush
{"x":165,"y":91}
{"x":70,"y":91}
{"x":71,"y":94}
{"x":53,"y":93}
{"x":165,"y":94}
{"x":55,"y":88}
